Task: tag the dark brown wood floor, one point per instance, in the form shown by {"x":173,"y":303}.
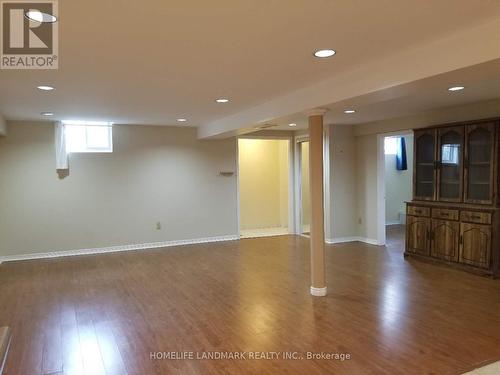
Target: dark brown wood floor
{"x":104,"y":314}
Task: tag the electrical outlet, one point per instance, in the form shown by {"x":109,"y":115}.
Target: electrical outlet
{"x":158,"y":226}
{"x":360,"y":221}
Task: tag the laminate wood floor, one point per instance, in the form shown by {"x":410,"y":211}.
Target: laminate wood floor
{"x":105,"y":314}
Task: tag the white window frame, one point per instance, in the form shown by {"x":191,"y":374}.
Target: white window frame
{"x":87,"y":125}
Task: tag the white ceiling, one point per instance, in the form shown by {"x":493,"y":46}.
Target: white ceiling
{"x":482,"y":83}
{"x":153,"y":62}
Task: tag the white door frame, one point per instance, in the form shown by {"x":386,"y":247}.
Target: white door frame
{"x":291,"y":177}
{"x":326,"y":182}
{"x":381,"y":230}
{"x":295,"y":179}
{"x":298,"y":182}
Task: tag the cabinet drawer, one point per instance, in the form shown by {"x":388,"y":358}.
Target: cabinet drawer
{"x":443,"y":213}
{"x":419,"y":211}
{"x":476,"y":217}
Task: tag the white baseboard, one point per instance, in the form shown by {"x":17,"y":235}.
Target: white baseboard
{"x":113,"y":249}
{"x":370,"y":241}
{"x":352,"y":239}
{"x":263,"y":232}
{"x":392,"y":223}
{"x":156,"y":245}
{"x":341,"y":240}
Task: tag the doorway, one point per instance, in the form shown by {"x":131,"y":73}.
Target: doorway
{"x":302,"y":200}
{"x":305,"y":196}
{"x":264,"y":187}
{"x":398,"y":186}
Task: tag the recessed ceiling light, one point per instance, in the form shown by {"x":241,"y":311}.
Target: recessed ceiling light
{"x":182,"y":119}
{"x":349,"y":111}
{"x":45,"y":88}
{"x":37,"y":16}
{"x":292,"y":124}
{"x":47,"y":113}
{"x":324,"y":53}
{"x":456,"y":88}
{"x":222,"y":100}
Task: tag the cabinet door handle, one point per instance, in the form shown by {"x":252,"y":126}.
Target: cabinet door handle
{"x":445,"y":214}
{"x":461,"y":242}
{"x":476,"y":217}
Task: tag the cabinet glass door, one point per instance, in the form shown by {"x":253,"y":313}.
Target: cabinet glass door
{"x":425,"y":157}
{"x":479,"y":163}
{"x":450,"y":164}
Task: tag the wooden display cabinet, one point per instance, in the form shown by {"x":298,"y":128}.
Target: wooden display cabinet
{"x":453,"y":218}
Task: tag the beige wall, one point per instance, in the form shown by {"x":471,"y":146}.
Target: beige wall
{"x":398,"y":184}
{"x":155,"y":174}
{"x":343,"y":194}
{"x":163,"y":174}
{"x":353,"y":167}
{"x":366,"y":181}
{"x":263,"y":183}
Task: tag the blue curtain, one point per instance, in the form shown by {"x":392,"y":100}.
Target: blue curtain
{"x":401,"y":164}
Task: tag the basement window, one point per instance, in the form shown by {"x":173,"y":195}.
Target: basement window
{"x":88,"y":136}
{"x":391,"y":145}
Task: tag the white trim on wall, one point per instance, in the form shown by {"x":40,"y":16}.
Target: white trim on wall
{"x":388,"y":223}
{"x":381,"y":231}
{"x":238,"y":209}
{"x":369,"y":241}
{"x":326,"y":182}
{"x":291,"y":186}
{"x":298,"y":181}
{"x":113,"y":249}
